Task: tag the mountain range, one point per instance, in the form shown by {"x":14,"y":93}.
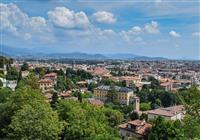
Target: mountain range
{"x":30,"y":53}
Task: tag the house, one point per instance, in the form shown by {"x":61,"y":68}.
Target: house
{"x":138,"y":129}
{"x":167,"y":86}
{"x":12,"y":84}
{"x":130,"y":79}
{"x":168,"y":113}
{"x":66,"y":94}
{"x":123,"y":94}
{"x":52,"y":76}
{"x":46,"y":84}
{"x":25,"y":73}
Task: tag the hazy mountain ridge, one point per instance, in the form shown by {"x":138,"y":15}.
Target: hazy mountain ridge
{"x":30,"y":53}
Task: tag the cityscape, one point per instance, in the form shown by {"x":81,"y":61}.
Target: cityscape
{"x":100,"y":70}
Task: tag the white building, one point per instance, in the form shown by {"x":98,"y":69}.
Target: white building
{"x":169,"y":113}
{"x":12,"y":84}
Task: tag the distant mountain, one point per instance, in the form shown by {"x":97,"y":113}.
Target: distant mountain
{"x":30,"y":53}
{"x":17,"y":52}
{"x":121,"y":56}
{"x":75,"y":55}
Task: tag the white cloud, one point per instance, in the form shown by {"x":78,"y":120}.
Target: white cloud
{"x":196,"y":34}
{"x":18,"y":23}
{"x":174,"y":34}
{"x":152,"y":27}
{"x":104,"y":17}
{"x":65,"y":18}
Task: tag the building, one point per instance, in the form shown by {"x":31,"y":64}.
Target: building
{"x":12,"y":84}
{"x":25,"y":73}
{"x":46,"y":85}
{"x":52,"y":76}
{"x":168,"y":113}
{"x":124,"y":95}
{"x":137,"y":129}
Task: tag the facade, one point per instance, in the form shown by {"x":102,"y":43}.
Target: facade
{"x":25,"y":73}
{"x":169,"y":113}
{"x":52,"y":76}
{"x":12,"y":84}
{"x":46,"y":85}
{"x":124,"y":95}
{"x":137,"y":129}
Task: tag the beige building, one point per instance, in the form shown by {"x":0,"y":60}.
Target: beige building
{"x":25,"y":73}
{"x":124,"y":95}
{"x":168,"y":113}
{"x":46,"y":85}
{"x":137,"y":129}
{"x":52,"y":76}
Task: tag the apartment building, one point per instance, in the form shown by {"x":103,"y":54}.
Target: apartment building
{"x":124,"y":95}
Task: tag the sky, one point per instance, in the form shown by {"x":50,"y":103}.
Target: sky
{"x":156,"y":28}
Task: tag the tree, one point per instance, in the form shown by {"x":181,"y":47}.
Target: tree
{"x":1,"y":84}
{"x":112,"y":95}
{"x":61,"y":84}
{"x":31,"y":80}
{"x":190,"y":98}
{"x":164,"y":130}
{"x":80,"y":98}
{"x":26,"y":112}
{"x":54,"y":99}
{"x":12,"y":74}
{"x":91,"y":86}
{"x":84,"y":121}
{"x":35,"y":121}
{"x":145,"y":106}
{"x":134,"y":116}
{"x":24,"y":67}
{"x":114,"y":117}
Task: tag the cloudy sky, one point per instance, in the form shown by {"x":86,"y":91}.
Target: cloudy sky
{"x":166,"y":28}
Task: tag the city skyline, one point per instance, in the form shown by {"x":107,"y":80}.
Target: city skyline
{"x":148,"y":28}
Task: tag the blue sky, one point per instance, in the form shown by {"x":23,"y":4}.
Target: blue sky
{"x":166,"y":28}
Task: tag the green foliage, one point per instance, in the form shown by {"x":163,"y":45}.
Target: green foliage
{"x":25,"y":114}
{"x":114,"y":117}
{"x":61,"y":84}
{"x":40,"y":71}
{"x":164,"y":130}
{"x":77,"y":75}
{"x":190,"y":98}
{"x":31,"y":80}
{"x":54,"y":99}
{"x":84,"y":121}
{"x":24,"y":67}
{"x":1,"y":84}
{"x":145,"y":106}
{"x":112,"y":96}
{"x":12,"y":74}
{"x":5,"y":61}
{"x":91,"y":86}
{"x":157,"y":97}
{"x":134,"y":116}
{"x":35,"y":121}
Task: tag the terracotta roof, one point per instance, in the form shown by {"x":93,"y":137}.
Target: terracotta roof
{"x":51,"y":74}
{"x":45,"y":81}
{"x":165,"y":84}
{"x":141,"y":127}
{"x":169,"y":111}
